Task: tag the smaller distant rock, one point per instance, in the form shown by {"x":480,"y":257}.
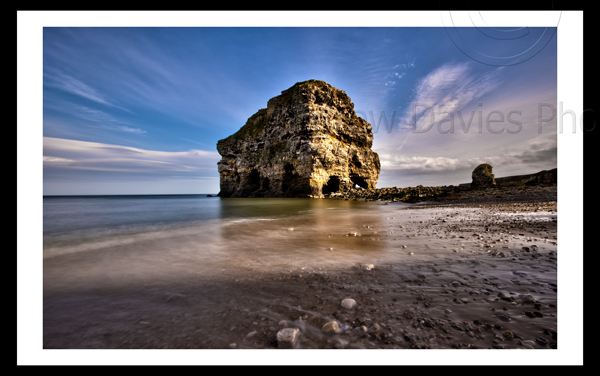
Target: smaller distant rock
{"x":348,"y":303}
{"x":288,"y":338}
{"x":482,"y":176}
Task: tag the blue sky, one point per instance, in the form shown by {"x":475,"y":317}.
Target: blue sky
{"x":135,"y":110}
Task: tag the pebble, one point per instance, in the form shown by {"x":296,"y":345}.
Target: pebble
{"x":331,"y":327}
{"x":526,"y":298}
{"x":348,"y":303}
{"x":367,"y":266}
{"x":288,"y":338}
{"x":232,"y":345}
{"x":503,"y":296}
{"x":508,"y":334}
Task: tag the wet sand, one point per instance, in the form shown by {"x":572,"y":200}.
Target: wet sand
{"x":430,"y":276}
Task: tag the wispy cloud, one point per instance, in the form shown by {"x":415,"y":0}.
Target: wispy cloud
{"x":93,"y":117}
{"x":55,"y":78}
{"x":80,"y":155}
{"x":444,"y":91}
{"x":424,"y":164}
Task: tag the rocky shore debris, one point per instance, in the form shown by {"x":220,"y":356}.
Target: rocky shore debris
{"x":536,"y":198}
{"x":534,"y":192}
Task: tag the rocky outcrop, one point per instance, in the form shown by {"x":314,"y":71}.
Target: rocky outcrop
{"x":542,"y":177}
{"x":308,"y":142}
{"x":482,"y":176}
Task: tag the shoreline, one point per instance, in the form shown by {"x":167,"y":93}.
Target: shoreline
{"x":442,"y":275}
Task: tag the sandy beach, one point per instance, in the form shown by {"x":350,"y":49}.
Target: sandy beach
{"x":451,"y":275}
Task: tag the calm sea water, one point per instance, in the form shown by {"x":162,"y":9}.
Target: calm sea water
{"x":68,"y":220}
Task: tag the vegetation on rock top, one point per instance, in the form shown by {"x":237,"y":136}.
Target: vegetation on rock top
{"x":253,"y":127}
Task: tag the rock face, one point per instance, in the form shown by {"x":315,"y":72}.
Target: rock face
{"x":482,"y":176}
{"x":308,"y":142}
{"x":542,"y":177}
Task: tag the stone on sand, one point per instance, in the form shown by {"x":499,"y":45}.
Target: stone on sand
{"x":287,"y":338}
{"x":331,"y":327}
{"x":348,"y":303}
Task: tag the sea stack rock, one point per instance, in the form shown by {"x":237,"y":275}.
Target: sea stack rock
{"x":483,"y":177}
{"x":308,"y":142}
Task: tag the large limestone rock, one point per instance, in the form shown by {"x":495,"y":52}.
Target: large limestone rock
{"x":482,"y":176}
{"x":308,"y":142}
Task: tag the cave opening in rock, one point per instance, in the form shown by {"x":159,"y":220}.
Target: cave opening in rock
{"x":288,"y":177}
{"x":358,"y":181}
{"x":265,"y":184}
{"x":254,"y":180}
{"x":332,"y":186}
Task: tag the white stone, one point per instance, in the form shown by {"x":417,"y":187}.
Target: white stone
{"x":367,"y":266}
{"x":348,"y":303}
{"x":288,"y":338}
